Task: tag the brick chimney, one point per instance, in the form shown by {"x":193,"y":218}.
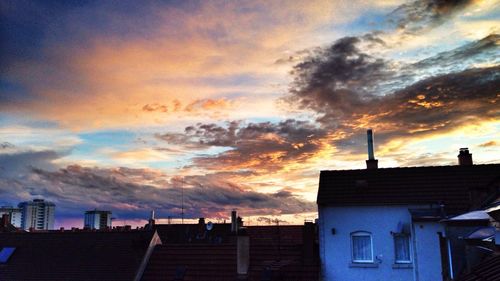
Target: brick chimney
{"x":464,"y":157}
{"x":5,"y":220}
{"x":371,"y":163}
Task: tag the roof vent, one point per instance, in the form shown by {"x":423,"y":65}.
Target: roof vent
{"x":464,"y":157}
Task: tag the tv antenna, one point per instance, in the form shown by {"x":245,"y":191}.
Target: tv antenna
{"x":182,"y":201}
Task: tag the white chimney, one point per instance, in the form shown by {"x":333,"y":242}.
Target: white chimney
{"x":371,"y":163}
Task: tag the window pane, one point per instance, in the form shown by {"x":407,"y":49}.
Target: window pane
{"x":5,"y":254}
{"x":402,"y":245}
{"x":361,"y":248}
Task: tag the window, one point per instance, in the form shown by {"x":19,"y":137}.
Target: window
{"x":5,"y":254}
{"x":361,"y":245}
{"x":402,"y":248}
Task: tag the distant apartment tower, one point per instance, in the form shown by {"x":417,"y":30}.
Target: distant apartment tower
{"x":37,"y":214}
{"x":15,"y":215}
{"x":97,"y":219}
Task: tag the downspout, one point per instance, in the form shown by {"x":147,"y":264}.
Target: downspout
{"x":321,"y":227}
{"x":415,"y":253}
{"x":448,"y":243}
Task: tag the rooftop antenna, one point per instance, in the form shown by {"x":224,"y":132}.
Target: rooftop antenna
{"x":182,"y":202}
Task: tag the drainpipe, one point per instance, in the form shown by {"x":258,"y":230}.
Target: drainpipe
{"x":243,"y":254}
{"x":415,"y":253}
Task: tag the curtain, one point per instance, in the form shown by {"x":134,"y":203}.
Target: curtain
{"x":402,"y":245}
{"x":361,"y":248}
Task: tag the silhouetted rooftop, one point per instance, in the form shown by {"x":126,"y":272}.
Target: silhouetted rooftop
{"x":74,"y":255}
{"x":449,"y":185}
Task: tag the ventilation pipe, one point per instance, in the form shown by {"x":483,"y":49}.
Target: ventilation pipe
{"x":371,"y":163}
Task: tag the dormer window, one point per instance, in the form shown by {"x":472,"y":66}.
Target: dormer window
{"x":362,"y":248}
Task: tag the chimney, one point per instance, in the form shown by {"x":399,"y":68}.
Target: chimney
{"x":242,"y":254}
{"x":5,"y":220}
{"x":371,"y":163}
{"x":234,"y":222}
{"x":201,"y":221}
{"x":464,"y":157}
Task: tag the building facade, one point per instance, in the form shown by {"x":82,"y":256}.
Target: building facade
{"x":386,"y":224}
{"x":97,"y":219}
{"x":15,"y":215}
{"x":37,"y":214}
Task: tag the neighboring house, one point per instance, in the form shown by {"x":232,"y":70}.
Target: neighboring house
{"x":83,"y":255}
{"x":474,"y":239}
{"x":384,"y":224}
{"x":198,"y":252}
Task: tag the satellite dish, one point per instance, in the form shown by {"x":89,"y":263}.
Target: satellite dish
{"x":209,"y":226}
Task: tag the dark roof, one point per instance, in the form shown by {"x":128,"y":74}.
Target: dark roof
{"x":201,"y":262}
{"x":74,"y":255}
{"x":488,"y":270}
{"x":193,"y":233}
{"x":450,"y":185}
{"x":279,"y":249}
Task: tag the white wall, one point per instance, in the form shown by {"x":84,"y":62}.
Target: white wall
{"x":427,"y":250}
{"x":335,"y":249}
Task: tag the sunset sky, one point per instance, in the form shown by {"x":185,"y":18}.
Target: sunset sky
{"x":127,"y":105}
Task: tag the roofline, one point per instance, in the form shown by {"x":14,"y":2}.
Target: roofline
{"x":155,"y":240}
{"x":411,"y":167}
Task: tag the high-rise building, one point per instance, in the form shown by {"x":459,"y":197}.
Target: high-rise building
{"x":97,"y":219}
{"x":37,"y":214}
{"x":15,"y":215}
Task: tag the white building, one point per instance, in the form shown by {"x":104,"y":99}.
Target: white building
{"x":97,"y":219}
{"x":384,"y":224}
{"x":15,"y":215}
{"x":37,"y":214}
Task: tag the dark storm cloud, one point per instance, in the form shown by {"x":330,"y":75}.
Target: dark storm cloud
{"x":16,"y":163}
{"x":445,"y":101}
{"x":131,"y":192}
{"x":339,"y":80}
{"x":485,"y":50}
{"x":419,"y":15}
{"x":351,"y":90}
{"x":119,"y":190}
{"x":262,"y":146}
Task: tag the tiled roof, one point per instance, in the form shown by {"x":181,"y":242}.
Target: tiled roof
{"x":201,"y":262}
{"x":74,"y":255}
{"x":488,"y":270}
{"x":279,"y":249}
{"x":450,"y":185}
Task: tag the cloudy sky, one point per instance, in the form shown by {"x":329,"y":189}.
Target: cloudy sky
{"x":133,"y":105}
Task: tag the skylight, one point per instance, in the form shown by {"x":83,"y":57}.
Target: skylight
{"x":5,"y":254}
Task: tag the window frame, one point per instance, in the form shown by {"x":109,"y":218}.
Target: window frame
{"x":359,"y":234}
{"x":408,"y":236}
